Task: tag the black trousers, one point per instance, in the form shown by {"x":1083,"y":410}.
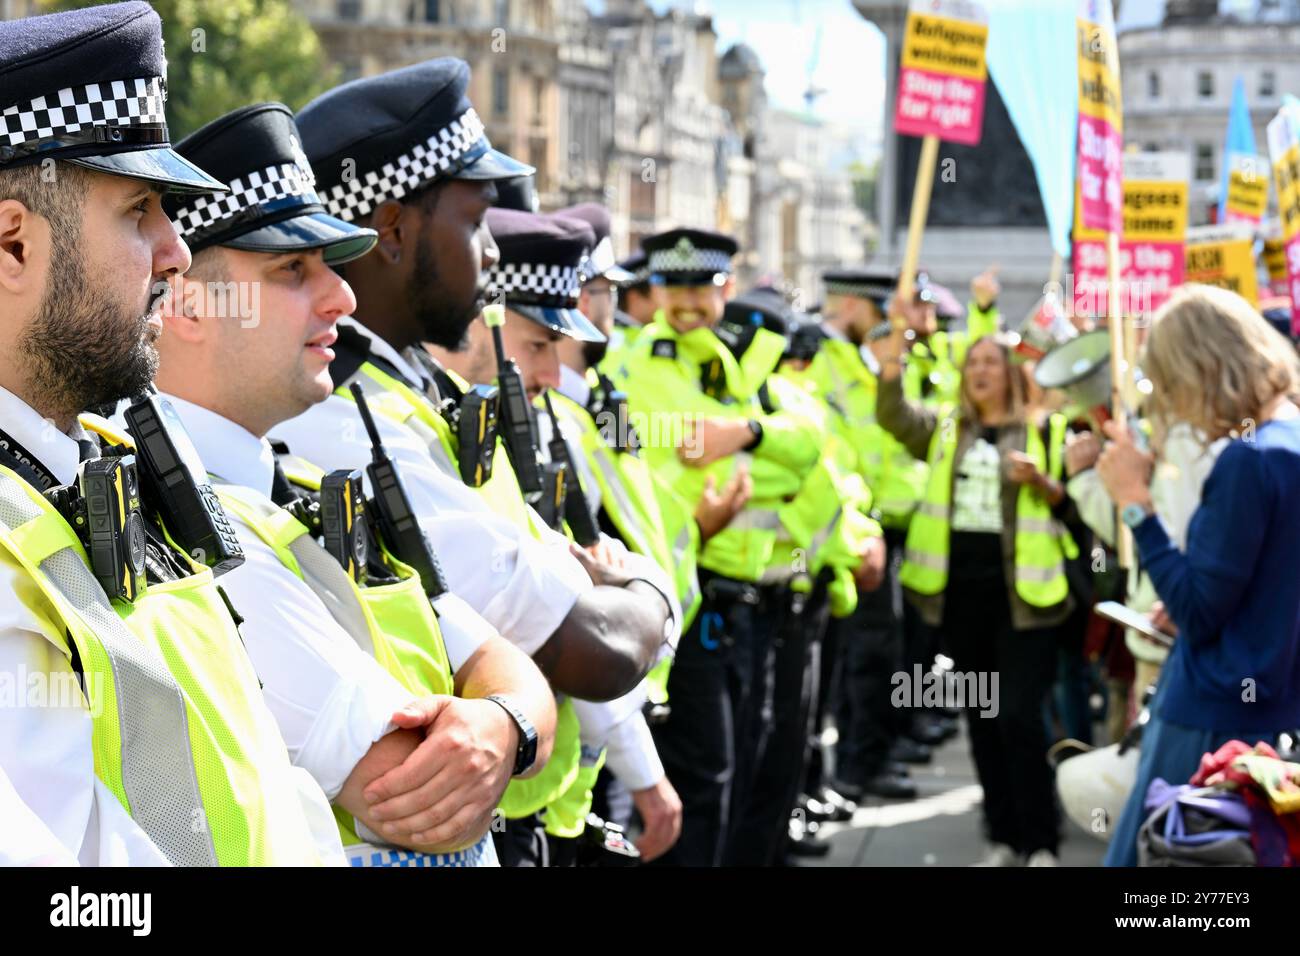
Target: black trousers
{"x":799,"y":622}
{"x":1009,"y":749}
{"x":708,"y":688}
{"x":871,"y":652}
{"x":522,"y":842}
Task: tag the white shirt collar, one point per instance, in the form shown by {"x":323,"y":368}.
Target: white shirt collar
{"x":386,"y":352}
{"x":833,"y":333}
{"x":573,"y":385}
{"x":869,"y":359}
{"x":57,"y":451}
{"x":228,"y":450}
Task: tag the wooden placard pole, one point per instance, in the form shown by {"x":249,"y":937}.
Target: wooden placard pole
{"x":1119,"y":372}
{"x":920,"y":212}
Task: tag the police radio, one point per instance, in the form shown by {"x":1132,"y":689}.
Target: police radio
{"x":392,"y":511}
{"x":342,"y":514}
{"x":176,"y":483}
{"x":515,"y":413}
{"x":103,"y":507}
{"x":577,"y":510}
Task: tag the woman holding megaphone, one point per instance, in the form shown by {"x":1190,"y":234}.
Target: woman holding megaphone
{"x":985,"y":562}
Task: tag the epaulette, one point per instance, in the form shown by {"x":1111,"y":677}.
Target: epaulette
{"x":664,"y":348}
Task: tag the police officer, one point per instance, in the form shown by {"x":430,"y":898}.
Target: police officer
{"x":424,"y":184}
{"x":538,"y":279}
{"x":332,"y":682}
{"x":166,"y":752}
{"x":709,"y":425}
{"x":870,"y":644}
{"x":826,"y":546}
{"x":423,"y":179}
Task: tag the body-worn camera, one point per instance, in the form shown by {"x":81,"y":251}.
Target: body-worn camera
{"x":343,"y":520}
{"x":476,"y":433}
{"x":104,"y":509}
{"x":176,"y":482}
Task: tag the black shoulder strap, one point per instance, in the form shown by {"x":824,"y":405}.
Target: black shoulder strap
{"x":351,"y":351}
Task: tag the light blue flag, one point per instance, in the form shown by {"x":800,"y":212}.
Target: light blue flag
{"x":1032,"y":59}
{"x":1240,"y":140}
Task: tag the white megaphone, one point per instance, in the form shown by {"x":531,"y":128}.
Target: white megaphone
{"x":1094,"y":786}
{"x":1079,"y":368}
{"x":1045,"y":327}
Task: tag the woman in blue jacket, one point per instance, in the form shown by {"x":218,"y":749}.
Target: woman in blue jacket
{"x":1234,"y":594}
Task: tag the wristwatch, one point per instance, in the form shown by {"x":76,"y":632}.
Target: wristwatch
{"x":756,"y":429}
{"x":1134,"y":514}
{"x":526,"y":754}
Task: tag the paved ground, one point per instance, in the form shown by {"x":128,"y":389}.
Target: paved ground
{"x":939,"y":828}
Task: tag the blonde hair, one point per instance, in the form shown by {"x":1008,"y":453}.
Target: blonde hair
{"x":1215,"y":362}
{"x":1015,"y":393}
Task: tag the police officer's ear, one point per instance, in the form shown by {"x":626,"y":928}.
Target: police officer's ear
{"x":388,"y":220}
{"x":19,"y":234}
{"x":729,"y":289}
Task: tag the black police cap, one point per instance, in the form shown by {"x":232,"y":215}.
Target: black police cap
{"x":519,"y":192}
{"x":272,"y":205}
{"x":874,"y":283}
{"x":89,"y":87}
{"x":689,"y":256}
{"x":637,"y":266}
{"x":539,"y":273}
{"x":602,"y":262}
{"x":385,"y":137}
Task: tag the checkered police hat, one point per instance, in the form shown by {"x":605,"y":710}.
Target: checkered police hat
{"x":874,"y":283}
{"x":386,"y":137}
{"x":272,"y":205}
{"x":689,"y":257}
{"x":601,"y":261}
{"x":89,"y":87}
{"x":541,"y":268}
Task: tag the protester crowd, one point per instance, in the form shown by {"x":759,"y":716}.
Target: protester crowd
{"x":473,"y":543}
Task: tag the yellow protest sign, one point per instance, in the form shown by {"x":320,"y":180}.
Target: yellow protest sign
{"x":1224,"y":258}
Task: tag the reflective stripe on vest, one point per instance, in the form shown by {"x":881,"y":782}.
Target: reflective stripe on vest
{"x":180,"y":731}
{"x":1041,"y":543}
{"x":158,"y":773}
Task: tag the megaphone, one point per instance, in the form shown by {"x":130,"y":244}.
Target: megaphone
{"x":1045,"y":327}
{"x":1095,"y":785}
{"x":1080,"y":368}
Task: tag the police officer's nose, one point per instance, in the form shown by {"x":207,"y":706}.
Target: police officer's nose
{"x":338,"y":299}
{"x":171,"y":256}
{"x":491,"y":252}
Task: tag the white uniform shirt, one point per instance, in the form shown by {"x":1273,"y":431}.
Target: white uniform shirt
{"x":523,"y":587}
{"x":45,"y":748}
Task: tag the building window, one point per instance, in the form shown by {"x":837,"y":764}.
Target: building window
{"x":503,"y":13}
{"x":500,"y":91}
{"x":349,"y":9}
{"x":1204,"y":162}
{"x":1267,"y":83}
{"x":1153,"y":85}
{"x":539,"y":100}
{"x":432,"y":11}
{"x":1205,"y":84}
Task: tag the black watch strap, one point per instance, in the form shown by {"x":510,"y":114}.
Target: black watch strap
{"x":526,"y":754}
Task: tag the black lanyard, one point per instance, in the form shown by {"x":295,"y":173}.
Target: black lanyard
{"x":17,"y":458}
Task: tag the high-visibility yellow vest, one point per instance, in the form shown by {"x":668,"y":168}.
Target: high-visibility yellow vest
{"x":662,"y":375}
{"x":895,"y":478}
{"x":394,"y":623}
{"x":398,"y":402}
{"x":1042,"y":544}
{"x":181,"y":734}
{"x":650,"y":518}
